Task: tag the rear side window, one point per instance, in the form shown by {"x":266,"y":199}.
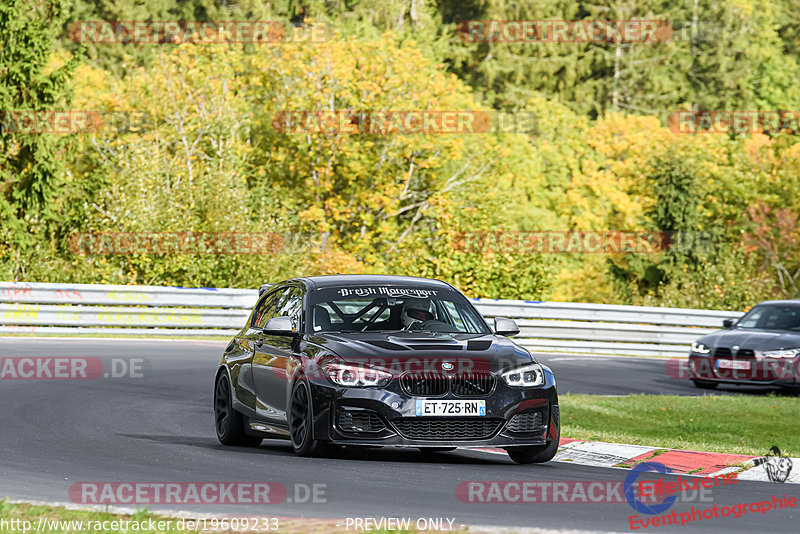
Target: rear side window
{"x":290,"y":304}
{"x":265,"y":309}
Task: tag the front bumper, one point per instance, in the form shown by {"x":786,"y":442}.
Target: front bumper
{"x":396,"y":412}
{"x":762,"y":371}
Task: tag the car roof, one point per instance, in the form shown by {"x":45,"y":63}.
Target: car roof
{"x":338,"y":280}
{"x":794,"y":302}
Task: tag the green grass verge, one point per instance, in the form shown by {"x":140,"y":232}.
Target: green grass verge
{"x":727,"y":424}
{"x":57,"y":520}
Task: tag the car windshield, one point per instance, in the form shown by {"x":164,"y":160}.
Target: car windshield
{"x":393,"y":308}
{"x":772,"y":317}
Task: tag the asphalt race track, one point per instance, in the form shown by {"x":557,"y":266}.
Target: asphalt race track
{"x":158,"y":427}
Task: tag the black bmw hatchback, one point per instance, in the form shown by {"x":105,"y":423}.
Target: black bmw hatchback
{"x":382,"y":360}
{"x":762,"y":348}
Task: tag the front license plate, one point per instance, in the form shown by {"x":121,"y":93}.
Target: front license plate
{"x":453,"y":408}
{"x":733,"y":364}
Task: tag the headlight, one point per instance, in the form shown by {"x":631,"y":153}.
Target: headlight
{"x":699,"y":348}
{"x":785,"y":353}
{"x":353,"y":376}
{"x":528,"y":376}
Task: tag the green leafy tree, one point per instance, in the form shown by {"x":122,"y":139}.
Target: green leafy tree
{"x":675,"y":213}
{"x":32,"y":174}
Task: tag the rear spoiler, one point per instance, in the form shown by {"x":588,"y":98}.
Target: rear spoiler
{"x":263,"y":289}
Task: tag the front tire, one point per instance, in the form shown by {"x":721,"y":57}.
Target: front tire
{"x":301,"y":424}
{"x":535,"y":454}
{"x":228,"y":422}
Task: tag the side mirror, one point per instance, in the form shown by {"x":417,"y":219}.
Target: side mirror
{"x":279,"y":326}
{"x":727,"y":323}
{"x":505,"y":327}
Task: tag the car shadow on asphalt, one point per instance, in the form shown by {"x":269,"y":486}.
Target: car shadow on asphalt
{"x":193,"y":441}
{"x":361,"y":454}
{"x":404,"y":455}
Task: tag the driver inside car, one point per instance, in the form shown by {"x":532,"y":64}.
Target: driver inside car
{"x":416,"y":313}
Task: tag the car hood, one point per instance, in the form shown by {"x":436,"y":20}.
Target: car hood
{"x":425,"y":350}
{"x":760,"y":340}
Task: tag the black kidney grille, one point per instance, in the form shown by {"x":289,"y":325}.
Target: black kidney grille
{"x":746,"y":354}
{"x":359,"y":421}
{"x":526,"y":423}
{"x":425,"y":384}
{"x":432,"y":384}
{"x":722,"y":352}
{"x":472,"y":385}
{"x":446,"y":429}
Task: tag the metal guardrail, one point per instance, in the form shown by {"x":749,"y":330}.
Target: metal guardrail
{"x":579,"y":328}
{"x":573,"y":328}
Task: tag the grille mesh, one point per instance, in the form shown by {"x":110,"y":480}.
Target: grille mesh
{"x":526,"y":423}
{"x":359,"y":421}
{"x":450,"y":429}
